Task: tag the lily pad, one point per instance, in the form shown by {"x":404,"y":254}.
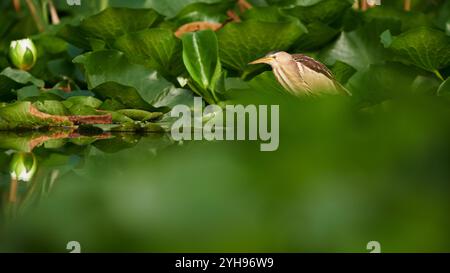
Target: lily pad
{"x":13,"y":79}
{"x":424,"y":47}
{"x":362,"y":47}
{"x":108,"y":25}
{"x":125,"y":95}
{"x":140,"y":115}
{"x":325,"y":11}
{"x":241,"y":43}
{"x":113,"y":66}
{"x":25,"y":115}
{"x":83,"y":100}
{"x":155,"y":48}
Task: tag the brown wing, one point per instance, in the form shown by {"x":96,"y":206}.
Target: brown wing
{"x":313,"y":64}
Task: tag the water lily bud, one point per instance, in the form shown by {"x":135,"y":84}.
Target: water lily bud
{"x":23,"y":166}
{"x":23,"y":54}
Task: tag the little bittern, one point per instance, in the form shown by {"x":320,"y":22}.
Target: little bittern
{"x":302,"y":75}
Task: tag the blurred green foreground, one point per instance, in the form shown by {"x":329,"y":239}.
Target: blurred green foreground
{"x":341,"y":178}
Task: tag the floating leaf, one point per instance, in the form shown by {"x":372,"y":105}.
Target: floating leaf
{"x":13,"y":79}
{"x":342,"y":72}
{"x":241,"y":43}
{"x":326,"y":11}
{"x":380,"y":82}
{"x":25,"y":115}
{"x":83,"y":100}
{"x":126,"y":96}
{"x":319,"y":34}
{"x":360,"y":48}
{"x":424,"y":47}
{"x":203,"y":12}
{"x":155,"y":48}
{"x":108,"y":25}
{"x":51,"y":107}
{"x":113,"y":66}
{"x":140,"y":115}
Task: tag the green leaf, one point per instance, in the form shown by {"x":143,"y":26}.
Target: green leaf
{"x":140,"y":115}
{"x":171,"y":8}
{"x":51,"y":107}
{"x":319,"y":34}
{"x":342,"y":72}
{"x":201,"y":58}
{"x":155,"y":48}
{"x":267,"y":14}
{"x":125,"y":95}
{"x":21,"y":77}
{"x":381,"y":82}
{"x":13,"y":79}
{"x":360,"y":48}
{"x":241,"y":43}
{"x":326,"y":11}
{"x":408,"y":20}
{"x":424,"y":47}
{"x":83,"y":100}
{"x":24,"y":115}
{"x":111,"y":105}
{"x":113,"y":66}
{"x":118,"y":117}
{"x":173,"y":97}
{"x":83,"y":110}
{"x":28,"y":92}
{"x":109,"y":25}
{"x":203,"y":12}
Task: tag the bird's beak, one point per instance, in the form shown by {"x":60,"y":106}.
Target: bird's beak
{"x":265,"y":60}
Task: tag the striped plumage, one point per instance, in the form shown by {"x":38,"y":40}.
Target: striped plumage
{"x":302,"y":75}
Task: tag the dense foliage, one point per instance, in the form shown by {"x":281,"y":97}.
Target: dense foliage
{"x":127,"y":56}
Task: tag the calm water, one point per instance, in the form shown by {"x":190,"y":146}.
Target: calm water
{"x":334,"y":185}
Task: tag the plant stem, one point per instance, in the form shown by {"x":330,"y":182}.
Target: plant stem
{"x":438,"y":74}
{"x":35,"y":16}
{"x":364,"y":5}
{"x":53,"y":13}
{"x":13,"y":191}
{"x":407,"y":5}
{"x":16,"y":4}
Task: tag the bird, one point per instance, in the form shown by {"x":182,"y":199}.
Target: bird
{"x":301,"y":75}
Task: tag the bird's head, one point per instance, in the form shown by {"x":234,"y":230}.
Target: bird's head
{"x":274,"y":58}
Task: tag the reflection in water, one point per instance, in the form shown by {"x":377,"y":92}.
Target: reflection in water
{"x":36,"y":160}
{"x":341,"y":178}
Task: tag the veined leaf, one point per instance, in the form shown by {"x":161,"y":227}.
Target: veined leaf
{"x":113,"y":66}
{"x":204,"y":12}
{"x":140,"y":115}
{"x":362,"y":47}
{"x":155,"y":48}
{"x":108,"y":25}
{"x":83,"y":100}
{"x":25,"y":115}
{"x":241,"y":43}
{"x":325,"y":11}
{"x":13,"y":79}
{"x":125,"y":95}
{"x":201,"y":58}
{"x":424,"y":47}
